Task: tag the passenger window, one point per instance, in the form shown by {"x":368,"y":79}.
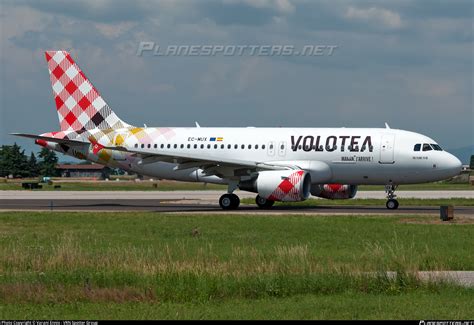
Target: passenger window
{"x":243,"y":146}
{"x":149,"y":145}
{"x":168,"y":146}
{"x":263,"y":146}
{"x":175,"y":146}
{"x":417,"y":147}
{"x":256,"y":146}
{"x":229,"y":146}
{"x":202,"y":146}
{"x":155,"y":146}
{"x":143,"y":146}
{"x":195,"y":146}
{"x":250,"y":146}
{"x":189,"y":146}
{"x":426,"y":147}
{"x":236,"y":146}
{"x":136,"y":145}
{"x":208,"y":146}
{"x":215,"y":146}
{"x":222,"y":146}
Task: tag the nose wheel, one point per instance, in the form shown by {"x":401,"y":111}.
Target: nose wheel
{"x":392,"y":203}
{"x":229,"y":201}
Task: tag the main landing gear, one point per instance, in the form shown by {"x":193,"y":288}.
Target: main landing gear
{"x":392,"y":203}
{"x":263,"y":203}
{"x":229,"y":201}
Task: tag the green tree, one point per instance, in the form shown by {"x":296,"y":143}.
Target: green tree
{"x":33,"y":167}
{"x":13,"y":161}
{"x":48,"y":163}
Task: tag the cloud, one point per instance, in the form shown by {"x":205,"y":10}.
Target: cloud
{"x":375,"y":16}
{"x":92,"y":10}
{"x":281,"y":6}
{"x":114,"y":30}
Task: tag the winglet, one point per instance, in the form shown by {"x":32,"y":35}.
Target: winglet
{"x":197,"y":124}
{"x":387,"y":126}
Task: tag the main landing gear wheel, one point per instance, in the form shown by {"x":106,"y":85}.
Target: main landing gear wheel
{"x":229,"y":201}
{"x":263,"y":203}
{"x":392,"y":204}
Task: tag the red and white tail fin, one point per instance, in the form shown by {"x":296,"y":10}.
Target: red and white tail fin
{"x":79,"y":104}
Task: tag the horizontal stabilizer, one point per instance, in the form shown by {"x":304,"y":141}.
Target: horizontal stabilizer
{"x":50,"y":139}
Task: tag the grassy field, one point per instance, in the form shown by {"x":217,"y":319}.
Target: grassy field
{"x":371,"y":202}
{"x":164,"y":185}
{"x":92,"y":185}
{"x":151,"y":265}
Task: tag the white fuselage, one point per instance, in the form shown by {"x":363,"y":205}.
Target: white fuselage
{"x":331,"y":155}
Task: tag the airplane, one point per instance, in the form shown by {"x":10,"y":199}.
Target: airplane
{"x":278,"y":164}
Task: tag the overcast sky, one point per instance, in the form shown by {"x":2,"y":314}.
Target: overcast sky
{"x":408,"y":63}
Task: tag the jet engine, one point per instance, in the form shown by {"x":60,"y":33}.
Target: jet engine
{"x":280,"y":185}
{"x":334,"y":191}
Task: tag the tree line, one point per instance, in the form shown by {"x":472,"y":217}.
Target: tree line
{"x":14,"y":161}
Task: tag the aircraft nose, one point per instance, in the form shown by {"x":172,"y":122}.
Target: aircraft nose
{"x":452,"y":164}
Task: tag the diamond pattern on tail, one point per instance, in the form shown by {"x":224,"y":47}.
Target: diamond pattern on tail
{"x":80,"y":106}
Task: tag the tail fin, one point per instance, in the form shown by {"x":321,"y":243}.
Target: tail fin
{"x":80,"y":106}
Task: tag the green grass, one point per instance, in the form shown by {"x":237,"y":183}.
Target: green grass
{"x":151,"y":265}
{"x":445,"y":304}
{"x":145,"y":185}
{"x":372,"y":202}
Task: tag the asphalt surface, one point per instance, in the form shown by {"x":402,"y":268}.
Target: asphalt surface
{"x":210,"y":197}
{"x":193,"y":206}
{"x":206,"y":202}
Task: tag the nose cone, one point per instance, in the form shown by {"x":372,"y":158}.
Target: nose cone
{"x":451,"y":164}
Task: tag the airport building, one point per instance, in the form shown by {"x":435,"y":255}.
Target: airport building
{"x":83,"y":170}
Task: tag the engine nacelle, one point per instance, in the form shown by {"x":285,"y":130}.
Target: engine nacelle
{"x":334,"y":191}
{"x":280,"y":185}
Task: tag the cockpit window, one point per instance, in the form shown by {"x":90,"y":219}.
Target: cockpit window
{"x":417,"y":147}
{"x":436,"y":147}
{"x":426,"y":147}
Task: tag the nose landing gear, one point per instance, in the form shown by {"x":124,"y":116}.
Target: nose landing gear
{"x":392,"y":203}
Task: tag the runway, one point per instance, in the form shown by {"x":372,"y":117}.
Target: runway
{"x":206,"y":202}
{"x":210,"y":197}
{"x":183,"y":206}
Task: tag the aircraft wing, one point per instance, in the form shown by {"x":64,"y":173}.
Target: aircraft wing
{"x":208,"y":163}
